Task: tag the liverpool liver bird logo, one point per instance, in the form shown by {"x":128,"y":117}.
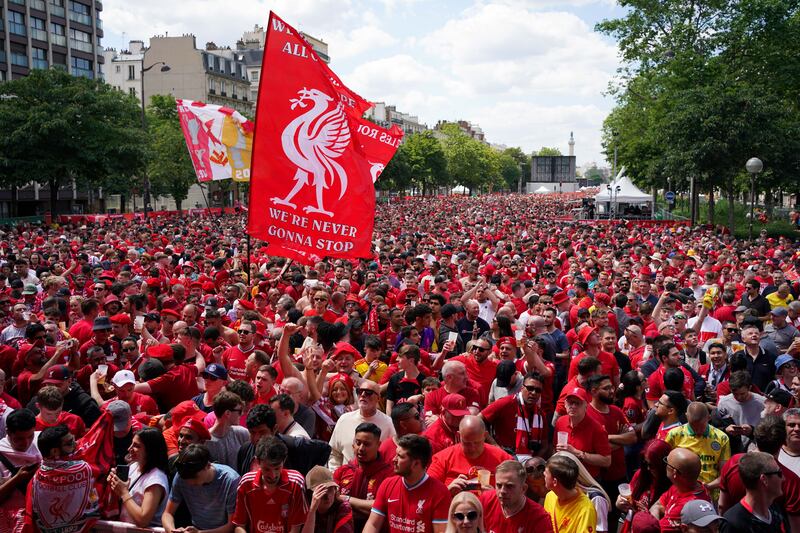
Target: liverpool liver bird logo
{"x":313,"y":141}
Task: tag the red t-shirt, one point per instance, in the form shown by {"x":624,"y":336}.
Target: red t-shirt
{"x":82,"y":375}
{"x":588,"y":436}
{"x":562,"y":397}
{"x":530,"y":519}
{"x":510,"y":419}
{"x":235,"y":362}
{"x":388,"y":450}
{"x":483,"y":373}
{"x":73,"y":422}
{"x":178,"y":384}
{"x":451,"y":462}
{"x":82,"y":330}
{"x":439,"y":436}
{"x":655,"y":384}
{"x":279,"y":510}
{"x":614,"y":423}
{"x":547,"y":386}
{"x":608,"y":365}
{"x":673,"y":502}
{"x":433,"y":401}
{"x":634,"y":410}
{"x":414,"y":508}
{"x":140,"y":403}
{"x":363,"y":482}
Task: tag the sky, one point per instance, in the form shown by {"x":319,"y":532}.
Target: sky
{"x":528,"y":72}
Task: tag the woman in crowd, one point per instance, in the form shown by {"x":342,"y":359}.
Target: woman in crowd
{"x":592,"y":488}
{"x":648,"y":483}
{"x":143,"y":495}
{"x":466,"y":514}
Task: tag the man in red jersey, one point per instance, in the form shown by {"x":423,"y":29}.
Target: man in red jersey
{"x":590,"y":340}
{"x":586,"y":439}
{"x":507,"y":509}
{"x":443,"y":433}
{"x":480,"y":368}
{"x":271,"y":498}
{"x":179,"y":383}
{"x":518,"y":421}
{"x":234,"y":359}
{"x":683,"y":469}
{"x":411,"y":500}
{"x":670,"y":357}
{"x":458,"y":466}
{"x":455,"y":382}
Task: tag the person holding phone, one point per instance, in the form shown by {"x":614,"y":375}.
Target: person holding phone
{"x":19,"y":460}
{"x":142,"y":486}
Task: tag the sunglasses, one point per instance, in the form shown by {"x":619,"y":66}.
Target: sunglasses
{"x":366,"y":392}
{"x":732,"y":330}
{"x":532,"y":388}
{"x":320,"y":299}
{"x":470,"y":516}
{"x":479,"y":349}
{"x":129,"y":349}
{"x":245,"y":332}
{"x":538,"y":469}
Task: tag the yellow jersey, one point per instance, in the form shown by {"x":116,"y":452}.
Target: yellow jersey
{"x":776,"y":301}
{"x":362,"y":366}
{"x":574,"y":516}
{"x":713,"y":447}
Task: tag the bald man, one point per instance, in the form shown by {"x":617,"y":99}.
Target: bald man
{"x":683,"y":470}
{"x":709,"y":443}
{"x":455,"y":466}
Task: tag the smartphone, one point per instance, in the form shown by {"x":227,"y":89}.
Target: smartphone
{"x":122,"y":472}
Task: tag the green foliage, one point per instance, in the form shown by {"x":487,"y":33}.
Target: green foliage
{"x":169,"y":166}
{"x":705,"y":86}
{"x":55,"y":127}
{"x":545,"y":151}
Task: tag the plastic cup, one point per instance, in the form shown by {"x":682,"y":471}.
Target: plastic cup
{"x":138,"y":323}
{"x":563,"y":437}
{"x":737,"y":346}
{"x":452,"y":336}
{"x":483,"y":477}
{"x":625,"y":491}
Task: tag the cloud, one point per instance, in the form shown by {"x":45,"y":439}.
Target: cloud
{"x":360,"y":40}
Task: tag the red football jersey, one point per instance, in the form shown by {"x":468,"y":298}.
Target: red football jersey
{"x":530,"y":519}
{"x":414,"y":508}
{"x":278,"y":511}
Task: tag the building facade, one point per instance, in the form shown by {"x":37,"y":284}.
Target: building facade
{"x":388,"y":116}
{"x":123,"y":69}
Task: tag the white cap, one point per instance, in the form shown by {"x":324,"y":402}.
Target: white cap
{"x":122,"y":377}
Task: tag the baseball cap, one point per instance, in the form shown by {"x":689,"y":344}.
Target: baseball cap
{"x":698,"y":513}
{"x":198,"y":427}
{"x":781,"y":397}
{"x":741,"y":309}
{"x":121,"y":413}
{"x":58,"y":374}
{"x":448,"y":310}
{"x":580,"y":393}
{"x":123,"y":377}
{"x":455,"y":404}
{"x":101,"y":323}
{"x":505,"y":370}
{"x":217,"y":371}
{"x":29,"y":289}
{"x":319,"y":475}
{"x":780,"y":311}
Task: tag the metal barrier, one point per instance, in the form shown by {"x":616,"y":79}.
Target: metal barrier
{"x":21,"y":220}
{"x":111,"y":526}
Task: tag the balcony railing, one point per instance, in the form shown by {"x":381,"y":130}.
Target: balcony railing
{"x":60,"y":40}
{"x":58,"y":11}
{"x":80,"y":18}
{"x":86,"y":73}
{"x":17,"y":28}
{"x":81,"y":45}
{"x":39,"y":35}
{"x":20,"y":60}
{"x":18,"y":2}
{"x":41,"y":5}
{"x":2,"y":56}
{"x":98,"y":23}
{"x":40,"y":64}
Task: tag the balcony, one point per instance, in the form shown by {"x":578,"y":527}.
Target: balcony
{"x":17,"y":29}
{"x":80,"y":18}
{"x":39,"y":5}
{"x":39,"y":35}
{"x":81,"y":45}
{"x":2,"y":56}
{"x":57,"y":11}
{"x":98,"y":23}
{"x":60,"y":40}
{"x":40,"y":64}
{"x":20,"y":60}
{"x":19,"y":3}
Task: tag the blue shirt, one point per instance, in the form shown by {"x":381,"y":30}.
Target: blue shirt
{"x":211,"y":504}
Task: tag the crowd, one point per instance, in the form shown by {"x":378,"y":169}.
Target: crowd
{"x":490,"y":368}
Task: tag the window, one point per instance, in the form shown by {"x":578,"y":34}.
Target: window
{"x":212,"y":86}
{"x":222,"y":90}
{"x":131,"y":72}
{"x":132,"y":91}
{"x":82,"y":67}
{"x":80,"y":40}
{"x":38,"y":29}
{"x":233,"y":90}
{"x":254,"y":76}
{"x":57,"y":29}
{"x":117,"y":69}
{"x":39,"y":58}
{"x":57,"y":8}
{"x":80,"y":13}
{"x":16,"y":23}
{"x":19,"y":58}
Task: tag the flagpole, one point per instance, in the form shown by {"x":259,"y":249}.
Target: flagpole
{"x":249,"y":281}
{"x":205,"y":198}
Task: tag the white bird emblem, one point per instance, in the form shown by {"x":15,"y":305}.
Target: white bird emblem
{"x":313,"y":141}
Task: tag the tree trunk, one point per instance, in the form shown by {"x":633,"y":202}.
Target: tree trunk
{"x":711,"y":204}
{"x":769,"y":202}
{"x":178,"y":203}
{"x":731,"y":204}
{"x":53,"y":184}
{"x":15,"y":203}
{"x":123,"y":200}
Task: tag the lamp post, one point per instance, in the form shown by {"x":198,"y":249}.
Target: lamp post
{"x":164,"y":68}
{"x":615,"y":135}
{"x":616,"y":199}
{"x":610,"y":201}
{"x":753,"y":166}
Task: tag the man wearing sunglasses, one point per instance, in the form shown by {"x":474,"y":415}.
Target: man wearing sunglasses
{"x":507,"y":509}
{"x":518,"y":420}
{"x":234,"y":359}
{"x":479,"y":367}
{"x":368,"y":395}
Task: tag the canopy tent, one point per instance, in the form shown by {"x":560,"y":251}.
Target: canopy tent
{"x":628,"y":193}
{"x":542,"y":190}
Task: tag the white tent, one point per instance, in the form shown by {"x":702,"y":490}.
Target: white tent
{"x":628,"y":193}
{"x":542,"y":190}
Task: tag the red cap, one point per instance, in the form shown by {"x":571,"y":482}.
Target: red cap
{"x":344,"y":378}
{"x":198,"y":427}
{"x":584,"y":334}
{"x":602,"y":298}
{"x":580,"y":393}
{"x":247,"y":304}
{"x":121,"y":318}
{"x":345,"y":347}
{"x":153,"y":282}
{"x":170,"y":312}
{"x":58,"y":374}
{"x":507,"y":340}
{"x":455,"y":404}
{"x":162,"y":352}
{"x":560,"y":297}
{"x":183,"y":411}
{"x":170,"y":303}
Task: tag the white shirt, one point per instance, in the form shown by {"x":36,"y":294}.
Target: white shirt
{"x":342,"y":437}
{"x":138,"y":484}
{"x":790,"y":461}
{"x":487,"y":311}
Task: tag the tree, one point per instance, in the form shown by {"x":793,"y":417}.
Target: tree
{"x":169,"y":166}
{"x":397,"y":174}
{"x":522,"y":160}
{"x":55,"y":128}
{"x":469,"y":162}
{"x":510,"y":170}
{"x":427,"y":161}
{"x":545,"y":151}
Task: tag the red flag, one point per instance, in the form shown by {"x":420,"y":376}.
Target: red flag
{"x":315,"y":158}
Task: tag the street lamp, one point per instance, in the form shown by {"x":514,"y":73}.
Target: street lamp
{"x":615,"y":135}
{"x":610,"y":201}
{"x":616,"y":199}
{"x":753,"y":166}
{"x":164,"y":68}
